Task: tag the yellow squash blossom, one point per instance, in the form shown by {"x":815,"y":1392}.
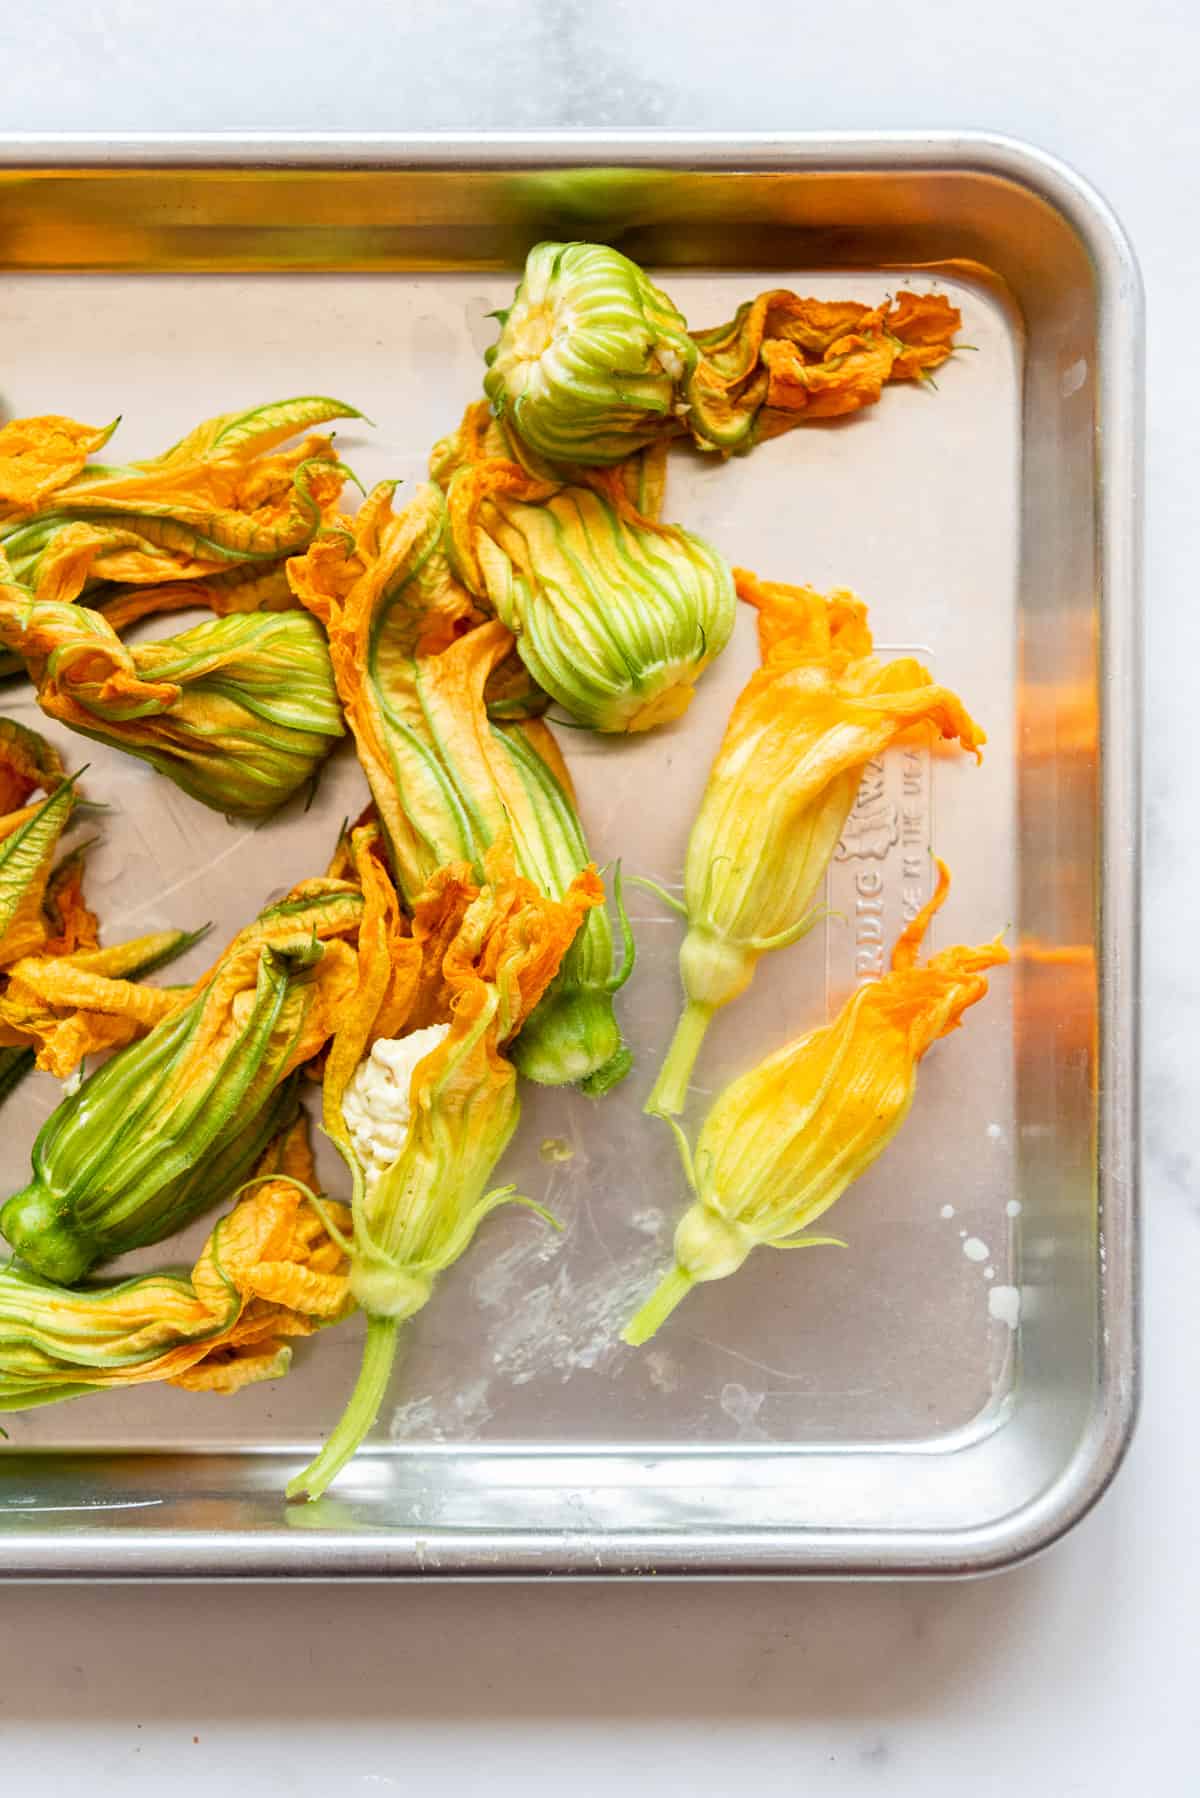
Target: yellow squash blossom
{"x":225,"y":495}
{"x":269,"y":1270}
{"x":615,"y":616}
{"x":784,"y":1141}
{"x":174,"y":1120}
{"x":780,"y":790}
{"x":422,"y":1117}
{"x":416,"y":670}
{"x":239,"y":712}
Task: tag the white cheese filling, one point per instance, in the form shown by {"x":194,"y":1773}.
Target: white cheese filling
{"x":377,"y":1104}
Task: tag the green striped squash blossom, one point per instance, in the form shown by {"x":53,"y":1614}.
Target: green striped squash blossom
{"x":614,"y":615}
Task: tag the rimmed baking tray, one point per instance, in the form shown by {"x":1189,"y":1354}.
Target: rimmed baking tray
{"x":955,"y":1390}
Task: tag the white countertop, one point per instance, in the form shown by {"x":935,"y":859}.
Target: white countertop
{"x":1075,"y":1674}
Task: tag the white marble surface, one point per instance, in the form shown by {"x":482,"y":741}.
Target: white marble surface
{"x":1076,"y":1674}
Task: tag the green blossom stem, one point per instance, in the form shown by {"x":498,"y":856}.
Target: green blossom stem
{"x":669,"y":1093}
{"x":379,"y":1355}
{"x":671,"y":1291}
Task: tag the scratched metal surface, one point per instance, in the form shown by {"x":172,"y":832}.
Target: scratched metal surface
{"x":914,"y":505}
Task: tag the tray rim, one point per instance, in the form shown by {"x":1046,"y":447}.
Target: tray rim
{"x":34,"y":1556}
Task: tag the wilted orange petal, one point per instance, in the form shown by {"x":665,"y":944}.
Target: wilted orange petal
{"x":60,"y":981}
{"x":64,"y":1044}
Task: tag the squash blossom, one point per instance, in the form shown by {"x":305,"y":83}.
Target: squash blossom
{"x":269,"y":1270}
{"x":415,"y":669}
{"x":177,"y":1119}
{"x":592,"y":358}
{"x":594,"y":361}
{"x":224,"y":496}
{"x":780,"y":791}
{"x":783,"y":1142}
{"x":239,"y":711}
{"x":615,"y":616}
{"x":48,"y":936}
{"x":423,"y":1115}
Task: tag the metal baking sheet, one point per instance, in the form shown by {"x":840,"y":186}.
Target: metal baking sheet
{"x":952,"y":1390}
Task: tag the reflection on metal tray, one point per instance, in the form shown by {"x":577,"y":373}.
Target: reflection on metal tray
{"x":861,"y":1412}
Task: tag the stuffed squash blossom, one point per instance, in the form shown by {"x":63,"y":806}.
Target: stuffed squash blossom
{"x":419,"y":1094}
